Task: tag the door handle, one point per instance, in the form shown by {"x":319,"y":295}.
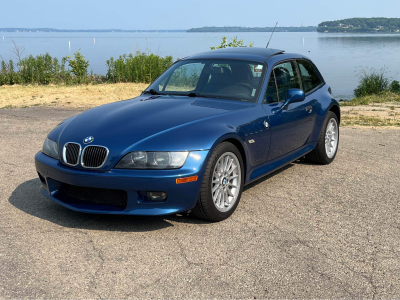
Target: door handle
{"x":309,"y":109}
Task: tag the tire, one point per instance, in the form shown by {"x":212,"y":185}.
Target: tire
{"x":206,"y":207}
{"x":321,"y":154}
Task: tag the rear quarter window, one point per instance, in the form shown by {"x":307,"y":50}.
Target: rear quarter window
{"x":309,"y":75}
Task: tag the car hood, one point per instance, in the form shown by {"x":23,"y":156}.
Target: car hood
{"x":120,"y":125}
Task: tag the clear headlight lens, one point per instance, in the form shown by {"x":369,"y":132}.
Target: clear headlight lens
{"x":50,"y":148}
{"x":152,"y":160}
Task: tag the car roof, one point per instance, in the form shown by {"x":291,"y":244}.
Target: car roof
{"x":245,"y":53}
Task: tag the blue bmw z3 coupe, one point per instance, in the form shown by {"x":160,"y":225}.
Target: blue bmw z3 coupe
{"x":210,"y":124}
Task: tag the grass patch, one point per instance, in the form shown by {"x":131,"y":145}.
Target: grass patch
{"x":74,"y":96}
{"x":359,"y":120}
{"x":384,"y":97}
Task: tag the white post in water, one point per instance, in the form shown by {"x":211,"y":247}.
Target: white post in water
{"x":69,"y":45}
{"x":303,"y":41}
{"x":94,"y":41}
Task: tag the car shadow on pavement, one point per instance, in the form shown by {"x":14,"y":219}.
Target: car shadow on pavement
{"x":27,"y":198}
{"x":262,"y":179}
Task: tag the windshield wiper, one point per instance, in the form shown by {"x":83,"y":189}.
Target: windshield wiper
{"x":152,"y":91}
{"x":199,"y":95}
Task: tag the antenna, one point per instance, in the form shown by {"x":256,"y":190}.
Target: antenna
{"x":272,"y":34}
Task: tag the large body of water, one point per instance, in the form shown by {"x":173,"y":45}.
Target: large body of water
{"x":338,"y":56}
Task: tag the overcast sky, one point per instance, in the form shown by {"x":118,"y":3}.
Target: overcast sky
{"x":184,"y":14}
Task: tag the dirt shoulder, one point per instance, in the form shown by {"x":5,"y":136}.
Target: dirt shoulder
{"x":72,"y":97}
{"x":380,"y":114}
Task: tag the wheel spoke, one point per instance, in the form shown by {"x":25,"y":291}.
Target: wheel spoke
{"x":226,"y":202}
{"x":233,"y":177}
{"x":218,"y":195}
{"x":226,"y":162}
{"x":233,"y":169}
{"x":215,"y":188}
{"x":229,"y":165}
{"x":221,"y":168}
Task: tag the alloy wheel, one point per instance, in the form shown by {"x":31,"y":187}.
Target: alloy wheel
{"x":226,"y":181}
{"x":331,"y":138}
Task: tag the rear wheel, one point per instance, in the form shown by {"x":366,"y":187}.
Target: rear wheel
{"x":222,"y":184}
{"x":328,"y":142}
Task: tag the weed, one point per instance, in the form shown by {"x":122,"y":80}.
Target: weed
{"x":371,"y":82}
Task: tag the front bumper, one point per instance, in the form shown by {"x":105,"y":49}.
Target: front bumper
{"x":181,"y":197}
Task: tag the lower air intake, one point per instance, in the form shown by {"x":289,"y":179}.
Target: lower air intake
{"x":116,"y":198}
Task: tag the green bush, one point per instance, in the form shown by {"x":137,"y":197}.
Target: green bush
{"x":395,"y":87}
{"x":371,"y":82}
{"x":45,"y":69}
{"x":141,"y":67}
{"x":42,"y":69}
{"x":79,"y":67}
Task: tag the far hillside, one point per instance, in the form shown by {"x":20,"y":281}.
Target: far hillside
{"x":379,"y":25}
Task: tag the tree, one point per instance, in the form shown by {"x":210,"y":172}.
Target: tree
{"x":234,"y":43}
{"x":79,"y":66}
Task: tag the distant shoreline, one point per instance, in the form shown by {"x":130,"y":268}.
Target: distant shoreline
{"x":254,"y":29}
{"x":201,"y":29}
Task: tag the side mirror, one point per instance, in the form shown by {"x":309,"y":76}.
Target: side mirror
{"x":292,"y":96}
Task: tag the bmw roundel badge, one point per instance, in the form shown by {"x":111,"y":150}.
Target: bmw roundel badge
{"x":88,"y":140}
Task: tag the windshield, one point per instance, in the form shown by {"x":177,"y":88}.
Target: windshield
{"x":223,"y":79}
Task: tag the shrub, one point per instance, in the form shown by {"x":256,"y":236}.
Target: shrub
{"x":45,"y":69}
{"x":371,"y":82}
{"x":42,"y":69}
{"x":141,"y":67}
{"x":395,"y":87}
{"x":79,"y":67}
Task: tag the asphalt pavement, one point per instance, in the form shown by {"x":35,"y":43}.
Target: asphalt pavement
{"x":306,"y":231}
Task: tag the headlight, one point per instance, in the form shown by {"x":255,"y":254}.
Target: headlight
{"x":50,"y":148}
{"x":152,"y":160}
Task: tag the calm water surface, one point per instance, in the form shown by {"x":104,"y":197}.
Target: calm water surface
{"x":338,"y":56}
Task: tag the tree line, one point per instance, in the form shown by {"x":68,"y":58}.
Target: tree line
{"x":361,"y":25}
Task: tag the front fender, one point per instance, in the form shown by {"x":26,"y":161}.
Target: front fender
{"x":239,"y":126}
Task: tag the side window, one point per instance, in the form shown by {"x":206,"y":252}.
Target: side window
{"x":286,"y":78}
{"x":271,"y":94}
{"x":309,"y":75}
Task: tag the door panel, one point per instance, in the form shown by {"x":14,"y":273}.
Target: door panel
{"x":258,"y":140}
{"x":292,"y":126}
